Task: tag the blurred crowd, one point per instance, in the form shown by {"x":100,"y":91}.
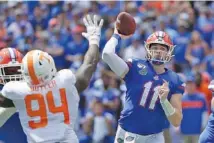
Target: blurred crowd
{"x":56,"y":27}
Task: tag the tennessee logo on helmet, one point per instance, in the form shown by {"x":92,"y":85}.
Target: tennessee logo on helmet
{"x":38,"y":67}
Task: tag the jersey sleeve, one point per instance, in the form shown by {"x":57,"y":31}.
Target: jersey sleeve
{"x":178,"y":87}
{"x":130,"y":62}
{"x":10,"y":90}
{"x":68,"y":75}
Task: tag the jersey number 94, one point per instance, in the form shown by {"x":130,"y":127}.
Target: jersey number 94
{"x":42,"y":110}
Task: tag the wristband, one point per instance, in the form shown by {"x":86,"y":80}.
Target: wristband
{"x":94,"y":40}
{"x":167,"y":107}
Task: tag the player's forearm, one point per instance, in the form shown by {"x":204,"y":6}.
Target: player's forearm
{"x":90,"y":61}
{"x":88,"y":67}
{"x":175,"y":119}
{"x":174,"y":116}
{"x":112,"y":59}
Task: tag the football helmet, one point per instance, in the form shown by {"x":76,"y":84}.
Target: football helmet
{"x":10,"y":65}
{"x":38,"y":67}
{"x":161,"y":38}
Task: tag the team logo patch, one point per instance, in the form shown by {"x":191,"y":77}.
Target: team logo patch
{"x":143,"y":69}
{"x":129,"y":138}
{"x":140,"y":65}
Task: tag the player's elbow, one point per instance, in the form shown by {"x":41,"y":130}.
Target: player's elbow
{"x":84,"y":84}
{"x":177,"y":121}
{"x":107,"y":54}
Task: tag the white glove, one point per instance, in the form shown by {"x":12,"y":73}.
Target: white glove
{"x":93,"y":30}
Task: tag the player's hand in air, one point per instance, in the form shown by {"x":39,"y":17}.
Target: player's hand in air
{"x":163,"y":91}
{"x":93,"y":29}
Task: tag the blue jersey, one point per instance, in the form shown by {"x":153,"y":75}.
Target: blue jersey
{"x":207,"y":136}
{"x":142,"y":113}
{"x":193,"y":108}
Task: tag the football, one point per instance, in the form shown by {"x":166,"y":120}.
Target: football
{"x":125,"y":24}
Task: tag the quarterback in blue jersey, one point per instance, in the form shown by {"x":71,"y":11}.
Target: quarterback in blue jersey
{"x":207,"y":136}
{"x":153,"y":92}
{"x":10,"y":126}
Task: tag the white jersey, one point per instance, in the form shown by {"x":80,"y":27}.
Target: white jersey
{"x":47,"y":113}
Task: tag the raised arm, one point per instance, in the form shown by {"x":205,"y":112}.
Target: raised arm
{"x":84,"y":73}
{"x":109,"y":56}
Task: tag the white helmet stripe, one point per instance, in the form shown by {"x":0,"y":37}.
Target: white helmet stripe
{"x":161,"y":34}
{"x":12,"y":55}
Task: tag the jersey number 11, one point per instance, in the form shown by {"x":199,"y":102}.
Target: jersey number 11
{"x":146,"y":91}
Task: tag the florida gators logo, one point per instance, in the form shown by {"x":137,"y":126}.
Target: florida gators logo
{"x":129,"y":138}
{"x":143,"y":69}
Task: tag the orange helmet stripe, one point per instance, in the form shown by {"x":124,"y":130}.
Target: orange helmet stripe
{"x":31,"y":70}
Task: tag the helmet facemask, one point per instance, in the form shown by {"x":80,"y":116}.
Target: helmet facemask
{"x":157,"y":56}
{"x":10,"y":72}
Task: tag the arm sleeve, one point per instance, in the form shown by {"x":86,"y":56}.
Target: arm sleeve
{"x":179,"y":87}
{"x":109,"y":56}
{"x":68,"y":76}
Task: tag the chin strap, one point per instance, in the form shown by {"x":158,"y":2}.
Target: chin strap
{"x":157,"y":63}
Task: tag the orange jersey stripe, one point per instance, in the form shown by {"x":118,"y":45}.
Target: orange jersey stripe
{"x":31,"y":70}
{"x":192,"y":104}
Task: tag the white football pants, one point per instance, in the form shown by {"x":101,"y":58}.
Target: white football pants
{"x":123,"y":136}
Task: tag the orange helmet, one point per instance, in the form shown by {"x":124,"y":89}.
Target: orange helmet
{"x":10,"y":65}
{"x":162,"y":38}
